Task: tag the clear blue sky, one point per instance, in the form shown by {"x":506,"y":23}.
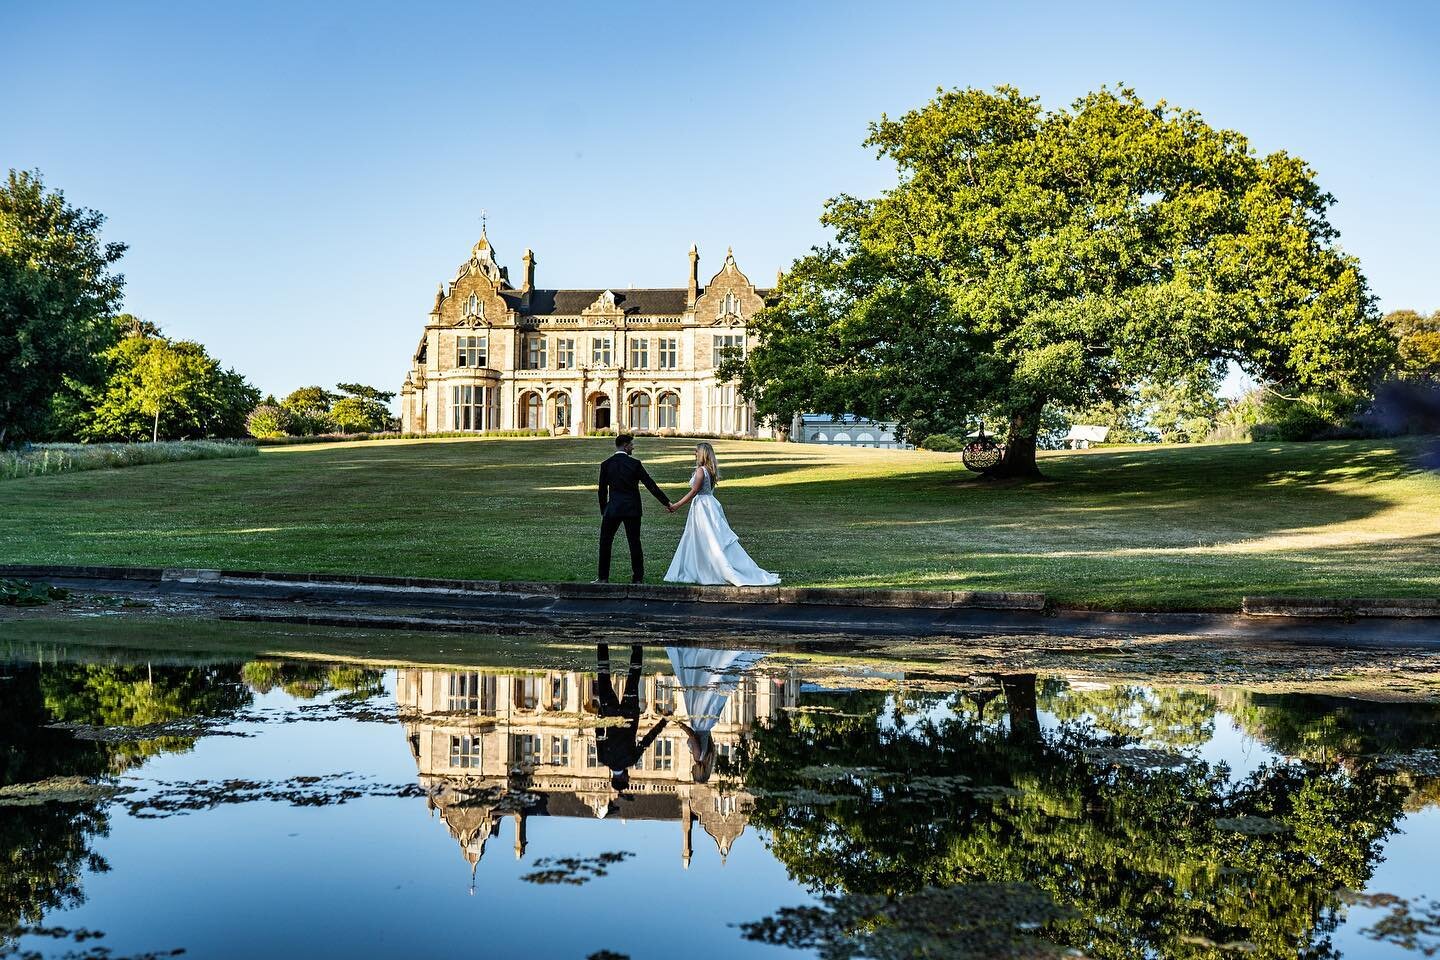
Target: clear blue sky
{"x":294,"y":179}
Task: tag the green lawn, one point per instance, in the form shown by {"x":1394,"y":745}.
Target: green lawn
{"x":1178,"y":527}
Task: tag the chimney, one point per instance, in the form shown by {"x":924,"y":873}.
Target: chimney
{"x":527,"y":279}
{"x":694,"y":288}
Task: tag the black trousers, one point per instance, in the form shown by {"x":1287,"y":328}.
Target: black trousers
{"x":608,"y":528}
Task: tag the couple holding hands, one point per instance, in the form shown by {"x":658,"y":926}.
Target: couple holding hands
{"x":709,"y":551}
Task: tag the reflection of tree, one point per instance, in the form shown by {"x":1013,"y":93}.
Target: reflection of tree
{"x":137,"y":696}
{"x":1154,"y":859}
{"x":1173,"y":718}
{"x":1325,"y":728}
{"x":44,"y":849}
{"x":306,"y":681}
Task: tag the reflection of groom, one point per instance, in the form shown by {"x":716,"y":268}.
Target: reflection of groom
{"x":620,"y":479}
{"x":619,"y":747}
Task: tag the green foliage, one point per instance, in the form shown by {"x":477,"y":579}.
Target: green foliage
{"x":1030,"y":257}
{"x":365,"y":393}
{"x":57,"y":294}
{"x":161,"y":387}
{"x":1419,"y":343}
{"x":310,"y":398}
{"x":1184,"y":410}
{"x":268,"y":422}
{"x":356,"y":414}
{"x":43,"y":459}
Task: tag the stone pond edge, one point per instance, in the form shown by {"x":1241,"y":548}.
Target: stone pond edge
{"x":1260,"y":607}
{"x":818,"y":596}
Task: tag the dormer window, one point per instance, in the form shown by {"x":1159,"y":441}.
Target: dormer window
{"x":474,"y":308}
{"x":729,"y":307}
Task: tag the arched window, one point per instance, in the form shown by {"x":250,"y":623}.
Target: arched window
{"x":865,"y":438}
{"x":531,"y":416}
{"x":842,"y":438}
{"x":474,"y":308}
{"x":562,"y":410}
{"x":729,"y":307}
{"x":821,"y":438}
{"x":639,"y":411}
{"x":669,"y":412}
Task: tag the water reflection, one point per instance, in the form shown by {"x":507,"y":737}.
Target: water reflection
{"x":1153,"y":853}
{"x":1012,"y":814}
{"x":491,"y":745}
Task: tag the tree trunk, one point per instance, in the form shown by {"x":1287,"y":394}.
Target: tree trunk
{"x":1018,"y":461}
{"x":1022,"y":706}
{"x":155,"y":437}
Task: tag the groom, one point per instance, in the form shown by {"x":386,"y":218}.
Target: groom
{"x":620,"y":479}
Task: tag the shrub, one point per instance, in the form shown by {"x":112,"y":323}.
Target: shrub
{"x":310,"y":422}
{"x":47,"y":458}
{"x":268,"y":421}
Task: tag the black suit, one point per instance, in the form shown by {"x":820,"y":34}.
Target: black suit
{"x":620,"y":479}
{"x":621,"y":747}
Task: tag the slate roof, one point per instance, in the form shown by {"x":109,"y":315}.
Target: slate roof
{"x":654,"y":301}
{"x":649,"y":302}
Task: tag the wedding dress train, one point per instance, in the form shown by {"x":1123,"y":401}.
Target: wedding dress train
{"x":709,"y":551}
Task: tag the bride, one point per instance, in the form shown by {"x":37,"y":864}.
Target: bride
{"x":709,"y":551}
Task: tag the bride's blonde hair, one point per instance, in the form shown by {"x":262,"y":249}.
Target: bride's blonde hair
{"x":705,"y":457}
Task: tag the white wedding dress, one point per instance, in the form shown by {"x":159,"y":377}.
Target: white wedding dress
{"x":709,"y":550}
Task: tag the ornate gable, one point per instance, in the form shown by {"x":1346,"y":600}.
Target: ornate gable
{"x":729,"y":298}
{"x":604,"y":308}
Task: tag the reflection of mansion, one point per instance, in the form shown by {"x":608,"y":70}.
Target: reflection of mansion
{"x":500,"y":357}
{"x":492,"y":746}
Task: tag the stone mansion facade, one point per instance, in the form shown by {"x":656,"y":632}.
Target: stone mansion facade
{"x":500,"y":357}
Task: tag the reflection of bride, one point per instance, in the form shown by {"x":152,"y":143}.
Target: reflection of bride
{"x":707,"y":678}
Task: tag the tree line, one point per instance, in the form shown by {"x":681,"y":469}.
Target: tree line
{"x":75,"y":367}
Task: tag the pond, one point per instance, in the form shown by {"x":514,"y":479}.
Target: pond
{"x":605,"y":797}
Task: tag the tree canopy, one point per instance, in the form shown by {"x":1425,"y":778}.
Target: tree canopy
{"x":58,"y":292}
{"x":1419,"y":342}
{"x":1031,"y":257}
{"x":157,"y":388}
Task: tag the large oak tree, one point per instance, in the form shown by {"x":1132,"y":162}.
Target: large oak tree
{"x":1029,"y":257}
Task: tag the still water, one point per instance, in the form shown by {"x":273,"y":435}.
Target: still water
{"x":606,"y":801}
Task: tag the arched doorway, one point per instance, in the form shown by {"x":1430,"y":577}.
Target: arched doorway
{"x":531,"y":411}
{"x":600,"y":416}
{"x":639,"y":411}
{"x":561,"y":418}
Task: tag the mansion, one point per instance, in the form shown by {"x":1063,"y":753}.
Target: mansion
{"x":500,"y":357}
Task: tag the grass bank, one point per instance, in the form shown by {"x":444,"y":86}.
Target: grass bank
{"x":47,"y":458}
{"x":1130,"y":528}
